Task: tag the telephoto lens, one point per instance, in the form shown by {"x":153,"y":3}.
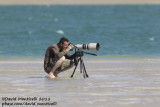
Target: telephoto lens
{"x":89,"y":46}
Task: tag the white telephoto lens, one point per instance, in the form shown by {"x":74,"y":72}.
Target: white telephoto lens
{"x":89,"y":46}
{"x":93,"y":46}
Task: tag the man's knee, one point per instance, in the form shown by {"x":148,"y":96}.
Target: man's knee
{"x":65,"y":66}
{"x":62,"y":58}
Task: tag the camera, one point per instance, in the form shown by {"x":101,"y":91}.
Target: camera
{"x":79,"y":54}
{"x":89,"y":46}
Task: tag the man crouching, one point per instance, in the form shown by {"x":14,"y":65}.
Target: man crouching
{"x":57,"y":58}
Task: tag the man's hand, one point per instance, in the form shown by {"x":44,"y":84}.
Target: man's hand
{"x":69,"y":47}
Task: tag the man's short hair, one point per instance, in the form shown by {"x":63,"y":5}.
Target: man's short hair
{"x":63,"y":39}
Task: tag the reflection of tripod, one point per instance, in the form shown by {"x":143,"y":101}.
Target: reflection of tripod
{"x":78,"y":58}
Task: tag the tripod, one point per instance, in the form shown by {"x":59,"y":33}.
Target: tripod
{"x":79,"y":58}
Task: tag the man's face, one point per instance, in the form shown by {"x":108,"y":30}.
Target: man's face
{"x":64,"y":45}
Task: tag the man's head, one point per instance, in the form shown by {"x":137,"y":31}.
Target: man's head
{"x":63,"y":43}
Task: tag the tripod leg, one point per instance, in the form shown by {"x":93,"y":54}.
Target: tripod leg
{"x":84,"y":69}
{"x":74,"y":69}
{"x":84,"y":75}
{"x":80,"y":66}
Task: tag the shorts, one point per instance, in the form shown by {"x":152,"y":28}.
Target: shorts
{"x":66,"y":64}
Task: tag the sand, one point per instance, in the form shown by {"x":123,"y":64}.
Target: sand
{"x":46,"y":2}
{"x":111,"y":83}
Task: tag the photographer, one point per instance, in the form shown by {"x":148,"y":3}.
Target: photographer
{"x":57,"y":58}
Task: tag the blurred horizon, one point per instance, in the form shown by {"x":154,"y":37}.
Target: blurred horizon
{"x":74,"y":2}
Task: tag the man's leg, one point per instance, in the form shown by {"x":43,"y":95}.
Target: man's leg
{"x":67,"y":64}
{"x":57,"y":64}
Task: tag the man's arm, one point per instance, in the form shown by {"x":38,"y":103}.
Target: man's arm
{"x":59,"y":54}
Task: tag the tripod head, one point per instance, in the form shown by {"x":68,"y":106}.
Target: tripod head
{"x":79,"y":54}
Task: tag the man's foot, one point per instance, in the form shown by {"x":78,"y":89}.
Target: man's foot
{"x":56,"y":73}
{"x":50,"y":75}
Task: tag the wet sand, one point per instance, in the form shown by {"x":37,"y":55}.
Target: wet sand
{"x":111,"y":83}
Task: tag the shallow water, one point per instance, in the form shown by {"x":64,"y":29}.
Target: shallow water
{"x":115,"y":83}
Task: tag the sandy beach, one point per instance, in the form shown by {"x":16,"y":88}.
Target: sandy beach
{"x":71,"y":2}
{"x":111,"y":83}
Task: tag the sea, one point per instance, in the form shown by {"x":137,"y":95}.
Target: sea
{"x":123,"y":31}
